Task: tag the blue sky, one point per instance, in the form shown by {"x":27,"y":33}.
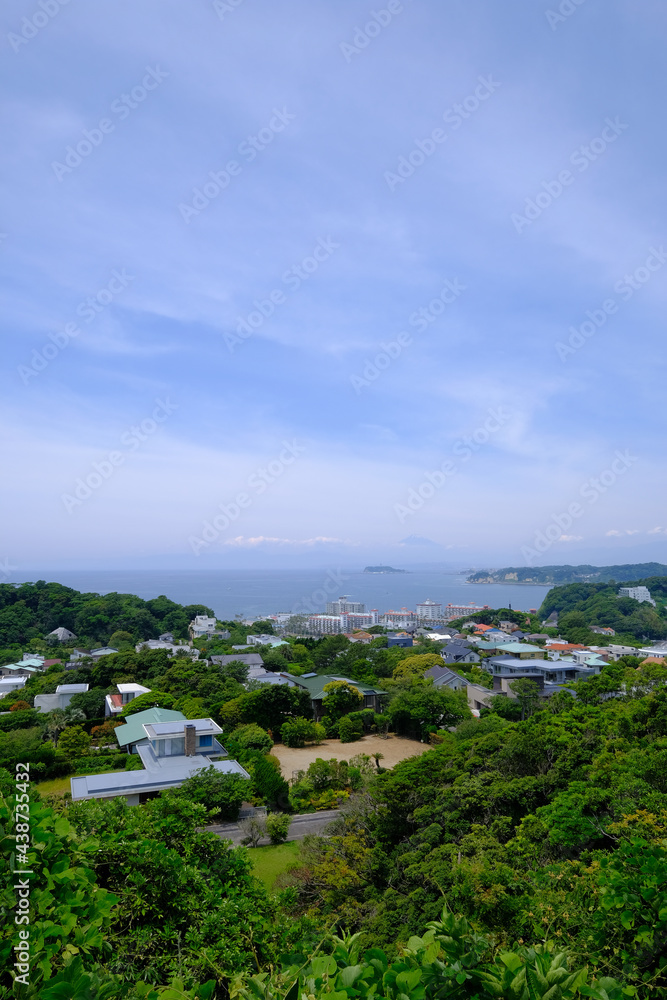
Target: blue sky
{"x":447,"y":189}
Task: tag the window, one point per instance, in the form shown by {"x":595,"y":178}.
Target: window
{"x":205,"y":741}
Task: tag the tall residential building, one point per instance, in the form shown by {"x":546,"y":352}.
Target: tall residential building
{"x":398,"y":618}
{"x":325,"y":624}
{"x":429,"y":610}
{"x":641,"y":594}
{"x":351,"y":621}
{"x":343,"y":607}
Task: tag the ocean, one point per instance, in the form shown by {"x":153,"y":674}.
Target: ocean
{"x":253,"y":593}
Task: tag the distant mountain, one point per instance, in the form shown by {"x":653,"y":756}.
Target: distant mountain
{"x":383,"y":569}
{"x":560,"y":575}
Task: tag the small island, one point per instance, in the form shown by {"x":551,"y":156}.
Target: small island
{"x":383,"y":569}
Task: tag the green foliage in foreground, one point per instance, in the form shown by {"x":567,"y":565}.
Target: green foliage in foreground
{"x":449,"y":961}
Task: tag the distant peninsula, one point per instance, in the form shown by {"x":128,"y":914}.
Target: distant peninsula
{"x":559,"y":575}
{"x":383,"y":569}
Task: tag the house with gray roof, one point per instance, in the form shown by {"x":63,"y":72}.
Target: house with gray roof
{"x":445,"y":677}
{"x":171,"y":748}
{"x":61,"y":699}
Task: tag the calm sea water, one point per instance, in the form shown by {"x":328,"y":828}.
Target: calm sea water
{"x":252,"y":593}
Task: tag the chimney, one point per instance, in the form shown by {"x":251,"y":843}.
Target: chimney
{"x":190,"y":741}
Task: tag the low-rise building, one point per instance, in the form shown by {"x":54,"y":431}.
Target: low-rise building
{"x":9,"y":684}
{"x":61,"y":699}
{"x":63,"y":634}
{"x":171,"y":750}
{"x":314,"y":684}
{"x":265,"y":640}
{"x":641,"y":594}
{"x":204,"y":626}
{"x":403,"y":641}
{"x":522,"y":650}
{"x":124,"y":694}
{"x":446,"y":677}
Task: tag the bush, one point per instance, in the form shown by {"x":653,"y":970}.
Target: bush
{"x":74,"y":742}
{"x":222,"y":792}
{"x":20,"y":706}
{"x":298,"y":732}
{"x":254,"y":829}
{"x":277,"y":827}
{"x":350,"y":729}
{"x":252,"y":737}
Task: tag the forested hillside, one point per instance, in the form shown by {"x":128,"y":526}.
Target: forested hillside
{"x":547,"y":837}
{"x":560,"y":575}
{"x":582,"y":604}
{"x":32,"y":610}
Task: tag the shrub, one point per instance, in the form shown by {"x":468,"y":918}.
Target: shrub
{"x":254,"y":829}
{"x":277,"y":827}
{"x":297,"y":732}
{"x":20,"y":706}
{"x":215,"y":790}
{"x":350,"y":729}
{"x":252,"y":737}
{"x":74,"y":741}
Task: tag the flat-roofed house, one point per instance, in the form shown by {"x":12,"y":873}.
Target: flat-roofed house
{"x":171,"y":750}
{"x":125,"y":693}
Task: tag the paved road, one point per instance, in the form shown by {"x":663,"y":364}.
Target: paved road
{"x":300,"y":827}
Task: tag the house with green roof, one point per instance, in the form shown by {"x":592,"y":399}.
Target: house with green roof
{"x":133,"y":734}
{"x":315,"y":683}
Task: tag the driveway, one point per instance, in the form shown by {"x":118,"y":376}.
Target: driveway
{"x":300,"y":827}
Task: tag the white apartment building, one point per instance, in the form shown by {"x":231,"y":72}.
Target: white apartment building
{"x":398,"y":618}
{"x":326,"y":624}
{"x":343,"y":607}
{"x":429,"y":610}
{"x":641,"y":594}
{"x":352,"y":621}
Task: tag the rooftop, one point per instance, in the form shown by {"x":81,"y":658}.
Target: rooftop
{"x":173,"y":773}
{"x":133,"y":730}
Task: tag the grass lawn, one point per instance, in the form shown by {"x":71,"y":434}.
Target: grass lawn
{"x":58,"y":786}
{"x":269,"y":862}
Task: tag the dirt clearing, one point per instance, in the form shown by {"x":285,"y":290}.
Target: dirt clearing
{"x":393,"y":750}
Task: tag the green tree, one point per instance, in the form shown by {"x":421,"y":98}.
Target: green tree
{"x":161,"y":699}
{"x":74,"y":741}
{"x":528,"y":695}
{"x":341,"y":698}
{"x":222,"y":793}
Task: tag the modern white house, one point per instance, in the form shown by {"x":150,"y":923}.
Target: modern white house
{"x":172,"y":749}
{"x":61,"y":699}
{"x":116,"y":702}
{"x":8,"y":684}
{"x":641,"y":594}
